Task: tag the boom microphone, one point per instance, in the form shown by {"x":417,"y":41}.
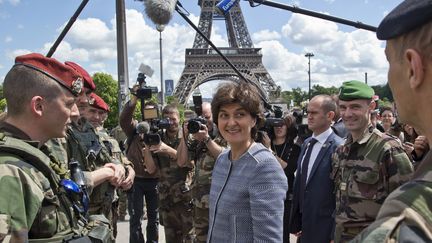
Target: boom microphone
{"x":142,"y":127}
{"x":160,"y":11}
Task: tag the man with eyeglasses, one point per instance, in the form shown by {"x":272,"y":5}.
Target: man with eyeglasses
{"x":367,"y":167}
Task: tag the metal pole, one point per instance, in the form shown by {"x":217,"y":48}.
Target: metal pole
{"x":67,"y":28}
{"x":160,"y":28}
{"x":296,"y":9}
{"x":122,"y":62}
{"x":309,"y":55}
{"x":366,"y":78}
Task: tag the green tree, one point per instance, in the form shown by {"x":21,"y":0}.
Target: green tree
{"x":318,"y":89}
{"x":383,"y":91}
{"x":299,"y":96}
{"x":107,"y":88}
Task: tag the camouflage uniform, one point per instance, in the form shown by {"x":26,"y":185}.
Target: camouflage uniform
{"x":32,"y":205}
{"x":200,"y":188}
{"x":118,"y":134}
{"x":365,"y":172}
{"x":175,"y":205}
{"x":81,"y":137}
{"x":55,"y":149}
{"x":406,"y":215}
{"x":114,"y":150}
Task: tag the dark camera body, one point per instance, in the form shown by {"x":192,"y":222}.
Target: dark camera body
{"x":152,"y":139}
{"x":156,"y":125}
{"x":144,"y":91}
{"x":162,"y":123}
{"x":195,"y":124}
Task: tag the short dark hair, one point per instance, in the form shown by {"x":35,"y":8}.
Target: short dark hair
{"x":328,"y":103}
{"x":169,"y":109}
{"x":244,"y":94}
{"x":386,"y":108}
{"x":22,"y":83}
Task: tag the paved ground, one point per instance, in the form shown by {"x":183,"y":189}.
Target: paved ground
{"x":123,"y":232}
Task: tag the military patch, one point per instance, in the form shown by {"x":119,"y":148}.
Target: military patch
{"x":77,"y":85}
{"x":343,"y":186}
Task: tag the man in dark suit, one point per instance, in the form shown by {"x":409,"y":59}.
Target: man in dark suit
{"x":313,"y":198}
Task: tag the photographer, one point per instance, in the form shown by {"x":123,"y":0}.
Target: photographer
{"x":145,"y":183}
{"x":173,"y":187}
{"x":201,"y":151}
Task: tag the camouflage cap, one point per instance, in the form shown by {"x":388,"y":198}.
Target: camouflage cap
{"x":353,"y":90}
{"x":97,"y":102}
{"x":88,"y":80}
{"x":407,"y":16}
{"x":64,"y":75}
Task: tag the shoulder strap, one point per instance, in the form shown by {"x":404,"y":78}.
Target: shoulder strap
{"x":37,"y":159}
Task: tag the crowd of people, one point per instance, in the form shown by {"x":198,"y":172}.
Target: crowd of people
{"x":361,"y":173}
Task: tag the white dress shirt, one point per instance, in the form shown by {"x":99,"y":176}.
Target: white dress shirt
{"x":321,"y":139}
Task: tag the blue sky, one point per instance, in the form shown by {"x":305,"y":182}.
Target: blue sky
{"x":341,"y":52}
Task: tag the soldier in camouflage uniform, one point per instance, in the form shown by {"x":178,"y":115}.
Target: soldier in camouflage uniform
{"x":40,"y":93}
{"x":367,"y":167}
{"x":86,"y":146}
{"x":406,"y":215}
{"x":118,"y":134}
{"x":175,"y":205}
{"x":96,"y":114}
{"x":203,"y":149}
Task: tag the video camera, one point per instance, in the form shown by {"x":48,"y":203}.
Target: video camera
{"x":144,"y":92}
{"x":303,"y":130}
{"x":195,"y":124}
{"x":271,"y":121}
{"x":156,"y":125}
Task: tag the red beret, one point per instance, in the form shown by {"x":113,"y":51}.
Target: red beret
{"x":88,"y":81}
{"x":98,"y":102}
{"x":62,"y":74}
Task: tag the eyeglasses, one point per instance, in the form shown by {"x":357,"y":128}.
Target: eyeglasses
{"x":387,"y":116}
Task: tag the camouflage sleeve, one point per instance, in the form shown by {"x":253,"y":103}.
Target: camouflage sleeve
{"x":398,"y":167}
{"x":404,"y":215}
{"x":20,"y":201}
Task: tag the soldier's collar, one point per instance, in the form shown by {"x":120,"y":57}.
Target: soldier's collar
{"x":367,"y":133}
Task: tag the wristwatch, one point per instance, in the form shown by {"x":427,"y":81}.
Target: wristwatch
{"x":207,"y":140}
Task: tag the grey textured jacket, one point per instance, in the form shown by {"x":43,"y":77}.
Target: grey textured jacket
{"x":247,"y":198}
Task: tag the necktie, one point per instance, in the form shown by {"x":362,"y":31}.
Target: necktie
{"x":304,"y":171}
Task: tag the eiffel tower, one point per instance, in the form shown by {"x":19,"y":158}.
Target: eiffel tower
{"x":203,"y":64}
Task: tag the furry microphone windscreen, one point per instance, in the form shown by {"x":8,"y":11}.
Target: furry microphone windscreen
{"x":160,"y":11}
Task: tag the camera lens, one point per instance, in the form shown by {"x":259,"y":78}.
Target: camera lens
{"x":193,"y":126}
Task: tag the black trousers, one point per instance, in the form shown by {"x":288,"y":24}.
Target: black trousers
{"x":143,"y":188}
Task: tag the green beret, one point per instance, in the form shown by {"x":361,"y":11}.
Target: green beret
{"x":353,"y":90}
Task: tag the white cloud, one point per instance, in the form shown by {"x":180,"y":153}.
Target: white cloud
{"x":307,"y":30}
{"x":8,"y":39}
{"x":339,"y":56}
{"x":12,"y":54}
{"x":264,"y":35}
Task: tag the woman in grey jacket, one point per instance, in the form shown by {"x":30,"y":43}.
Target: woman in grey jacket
{"x":248,"y":184}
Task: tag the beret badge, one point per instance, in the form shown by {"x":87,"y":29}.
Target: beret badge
{"x":91,"y":101}
{"x":77,"y":85}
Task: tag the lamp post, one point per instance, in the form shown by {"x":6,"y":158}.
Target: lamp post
{"x":161,"y":28}
{"x":309,"y":55}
